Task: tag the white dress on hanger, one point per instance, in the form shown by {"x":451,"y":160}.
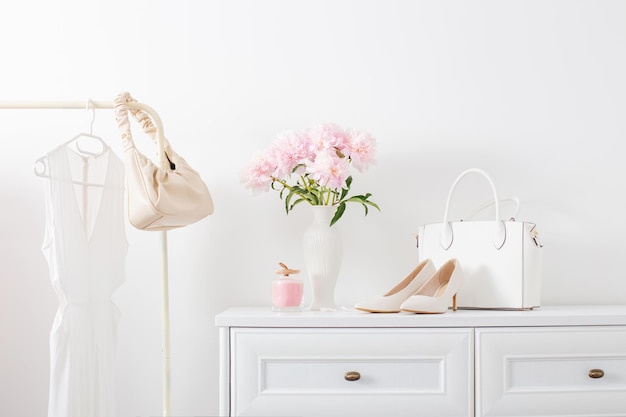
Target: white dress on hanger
{"x":85,"y":246}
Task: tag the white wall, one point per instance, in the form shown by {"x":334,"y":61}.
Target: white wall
{"x":534,"y":92}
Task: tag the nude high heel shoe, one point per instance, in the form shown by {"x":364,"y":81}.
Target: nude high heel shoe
{"x":391,"y":301}
{"x":438,"y":291}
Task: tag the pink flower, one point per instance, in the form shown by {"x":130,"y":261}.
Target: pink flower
{"x":290,"y":150}
{"x":329,"y":170}
{"x":258,"y":174}
{"x":328,"y":137}
{"x":361,"y":149}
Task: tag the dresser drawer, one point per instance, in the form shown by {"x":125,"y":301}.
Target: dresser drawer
{"x":556,"y":371}
{"x":349,"y":372}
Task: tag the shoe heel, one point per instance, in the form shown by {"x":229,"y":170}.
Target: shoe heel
{"x":454,"y":302}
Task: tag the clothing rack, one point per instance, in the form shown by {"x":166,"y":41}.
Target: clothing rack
{"x":162,"y":160}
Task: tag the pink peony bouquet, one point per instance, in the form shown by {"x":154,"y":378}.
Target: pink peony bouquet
{"x":313,"y":166}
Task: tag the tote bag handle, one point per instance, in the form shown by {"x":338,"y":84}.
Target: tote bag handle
{"x":487,"y":204}
{"x":447,"y":234}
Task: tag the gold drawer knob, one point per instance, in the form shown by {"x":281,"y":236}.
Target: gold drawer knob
{"x":596,"y":373}
{"x":352,"y":376}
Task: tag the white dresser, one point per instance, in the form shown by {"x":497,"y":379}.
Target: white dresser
{"x":553,"y":361}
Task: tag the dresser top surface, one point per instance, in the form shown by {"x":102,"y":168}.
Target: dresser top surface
{"x":606,"y":315}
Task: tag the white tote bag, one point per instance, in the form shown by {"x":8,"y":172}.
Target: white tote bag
{"x":501,"y":260}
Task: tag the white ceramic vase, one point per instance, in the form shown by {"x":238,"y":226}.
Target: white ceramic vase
{"x":323,"y":253}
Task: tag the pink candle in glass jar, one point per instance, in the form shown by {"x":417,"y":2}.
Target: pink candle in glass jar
{"x":286,"y":291}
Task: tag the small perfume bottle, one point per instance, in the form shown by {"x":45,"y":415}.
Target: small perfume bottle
{"x":286,"y":291}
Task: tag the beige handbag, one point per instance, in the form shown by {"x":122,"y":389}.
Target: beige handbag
{"x":159,"y":198}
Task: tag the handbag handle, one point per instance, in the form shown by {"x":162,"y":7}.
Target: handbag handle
{"x":512,"y":199}
{"x":499,"y":234}
{"x":155,"y":133}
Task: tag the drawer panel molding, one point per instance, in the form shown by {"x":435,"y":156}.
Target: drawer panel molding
{"x":548,"y":371}
{"x":564,"y":374}
{"x":376,"y":375}
{"x":401,"y":372}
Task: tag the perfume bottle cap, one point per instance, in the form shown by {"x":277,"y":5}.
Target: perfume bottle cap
{"x":285,"y":271}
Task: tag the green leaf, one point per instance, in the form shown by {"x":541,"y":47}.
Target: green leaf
{"x":371,"y":203}
{"x":338,"y":213}
{"x":288,"y":200}
{"x":344,"y":193}
{"x":281,"y":193}
{"x":298,"y":201}
{"x":313,"y":197}
{"x":296,"y":167}
{"x":356,"y":199}
{"x":363,"y":200}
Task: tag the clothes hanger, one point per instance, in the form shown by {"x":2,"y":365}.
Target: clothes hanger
{"x":95,"y":147}
{"x":99,"y":144}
